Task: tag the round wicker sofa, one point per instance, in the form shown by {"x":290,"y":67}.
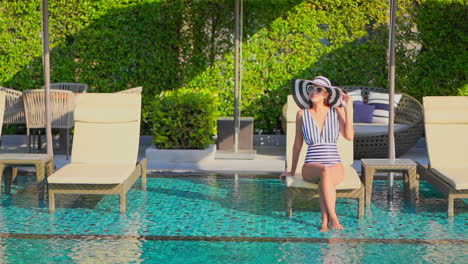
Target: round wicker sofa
{"x":408,"y":112}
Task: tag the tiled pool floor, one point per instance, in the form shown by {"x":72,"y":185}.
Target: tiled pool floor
{"x":226,"y":218}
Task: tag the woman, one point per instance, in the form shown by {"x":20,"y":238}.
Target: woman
{"x":319,"y":126}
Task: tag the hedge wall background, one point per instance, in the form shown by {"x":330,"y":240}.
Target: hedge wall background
{"x":171,"y":44}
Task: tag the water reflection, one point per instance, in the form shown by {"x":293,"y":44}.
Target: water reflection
{"x":125,"y":250}
{"x":107,"y":251}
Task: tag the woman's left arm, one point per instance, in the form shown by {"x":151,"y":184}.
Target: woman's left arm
{"x":346,"y":119}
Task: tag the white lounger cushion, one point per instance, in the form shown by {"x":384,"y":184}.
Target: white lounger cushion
{"x":97,"y":108}
{"x":107,"y":128}
{"x":75,"y":173}
{"x":369,"y":129}
{"x":120,"y":114}
{"x":445,"y":109}
{"x":456,"y":177}
{"x":350,"y":182}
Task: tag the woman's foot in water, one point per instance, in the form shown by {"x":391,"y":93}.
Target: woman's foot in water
{"x":324,"y":228}
{"x":335,"y":224}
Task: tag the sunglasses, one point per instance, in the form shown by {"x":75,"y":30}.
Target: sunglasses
{"x":316,"y":90}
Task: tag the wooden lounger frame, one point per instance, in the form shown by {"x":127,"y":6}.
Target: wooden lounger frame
{"x":120,"y":189}
{"x":443,"y":187}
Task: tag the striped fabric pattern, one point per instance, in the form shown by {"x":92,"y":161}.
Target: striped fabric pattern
{"x":356,"y":95}
{"x":381,"y":102}
{"x":322,"y":146}
{"x":301,"y":96}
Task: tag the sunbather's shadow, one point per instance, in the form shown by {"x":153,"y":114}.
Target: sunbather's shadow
{"x":24,"y":193}
{"x":247,"y":195}
{"x":78,"y":201}
{"x":344,"y":207}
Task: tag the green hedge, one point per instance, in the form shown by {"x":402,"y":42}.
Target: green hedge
{"x":183,"y":119}
{"x":434,"y":60}
{"x":165,"y":45}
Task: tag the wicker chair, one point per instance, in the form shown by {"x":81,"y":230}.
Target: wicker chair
{"x":14,"y":107}
{"x":62,"y":105}
{"x":74,"y":87}
{"x":408,"y":112}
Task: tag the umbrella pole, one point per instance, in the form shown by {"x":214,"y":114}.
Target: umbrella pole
{"x":46,"y":64}
{"x":391,"y":80}
{"x":237,"y":71}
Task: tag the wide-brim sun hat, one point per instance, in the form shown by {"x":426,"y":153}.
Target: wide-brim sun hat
{"x":301,"y":91}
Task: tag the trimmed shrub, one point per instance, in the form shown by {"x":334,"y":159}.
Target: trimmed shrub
{"x":183,"y":119}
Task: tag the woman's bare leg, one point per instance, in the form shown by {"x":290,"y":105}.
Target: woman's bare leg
{"x":312,"y":172}
{"x":323,"y":209}
{"x":332,"y":176}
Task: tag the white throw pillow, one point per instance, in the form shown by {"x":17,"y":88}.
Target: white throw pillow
{"x":381,"y":103}
{"x":356,"y":95}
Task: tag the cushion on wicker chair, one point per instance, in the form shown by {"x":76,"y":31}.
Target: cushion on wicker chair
{"x":356,"y":95}
{"x":381,"y":102}
{"x":368,"y":129}
{"x":363,"y":113}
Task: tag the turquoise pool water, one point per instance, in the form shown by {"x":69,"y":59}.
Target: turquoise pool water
{"x":226,"y":219}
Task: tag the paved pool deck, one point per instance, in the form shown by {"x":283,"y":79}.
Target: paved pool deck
{"x":268,"y":159}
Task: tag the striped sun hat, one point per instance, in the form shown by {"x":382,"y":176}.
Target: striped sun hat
{"x":301,"y":91}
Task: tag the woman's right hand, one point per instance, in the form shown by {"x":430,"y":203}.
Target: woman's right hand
{"x":345,"y":100}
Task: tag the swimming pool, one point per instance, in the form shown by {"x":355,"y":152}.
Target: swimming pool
{"x":226,"y":219}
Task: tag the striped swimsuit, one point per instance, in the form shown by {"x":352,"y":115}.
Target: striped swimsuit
{"x":322,"y":147}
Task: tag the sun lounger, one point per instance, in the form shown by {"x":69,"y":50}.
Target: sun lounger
{"x":446,"y":125}
{"x":351,"y":187}
{"x":132,"y":90}
{"x":105,"y":148}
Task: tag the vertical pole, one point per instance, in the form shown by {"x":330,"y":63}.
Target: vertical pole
{"x":241,"y":64}
{"x":391,"y":80}
{"x":237,"y":71}
{"x":46,"y":64}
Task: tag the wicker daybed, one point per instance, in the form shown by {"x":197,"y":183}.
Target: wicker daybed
{"x":408,"y":123}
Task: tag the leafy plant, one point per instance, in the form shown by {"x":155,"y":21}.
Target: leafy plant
{"x":165,"y":45}
{"x":183,"y":119}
